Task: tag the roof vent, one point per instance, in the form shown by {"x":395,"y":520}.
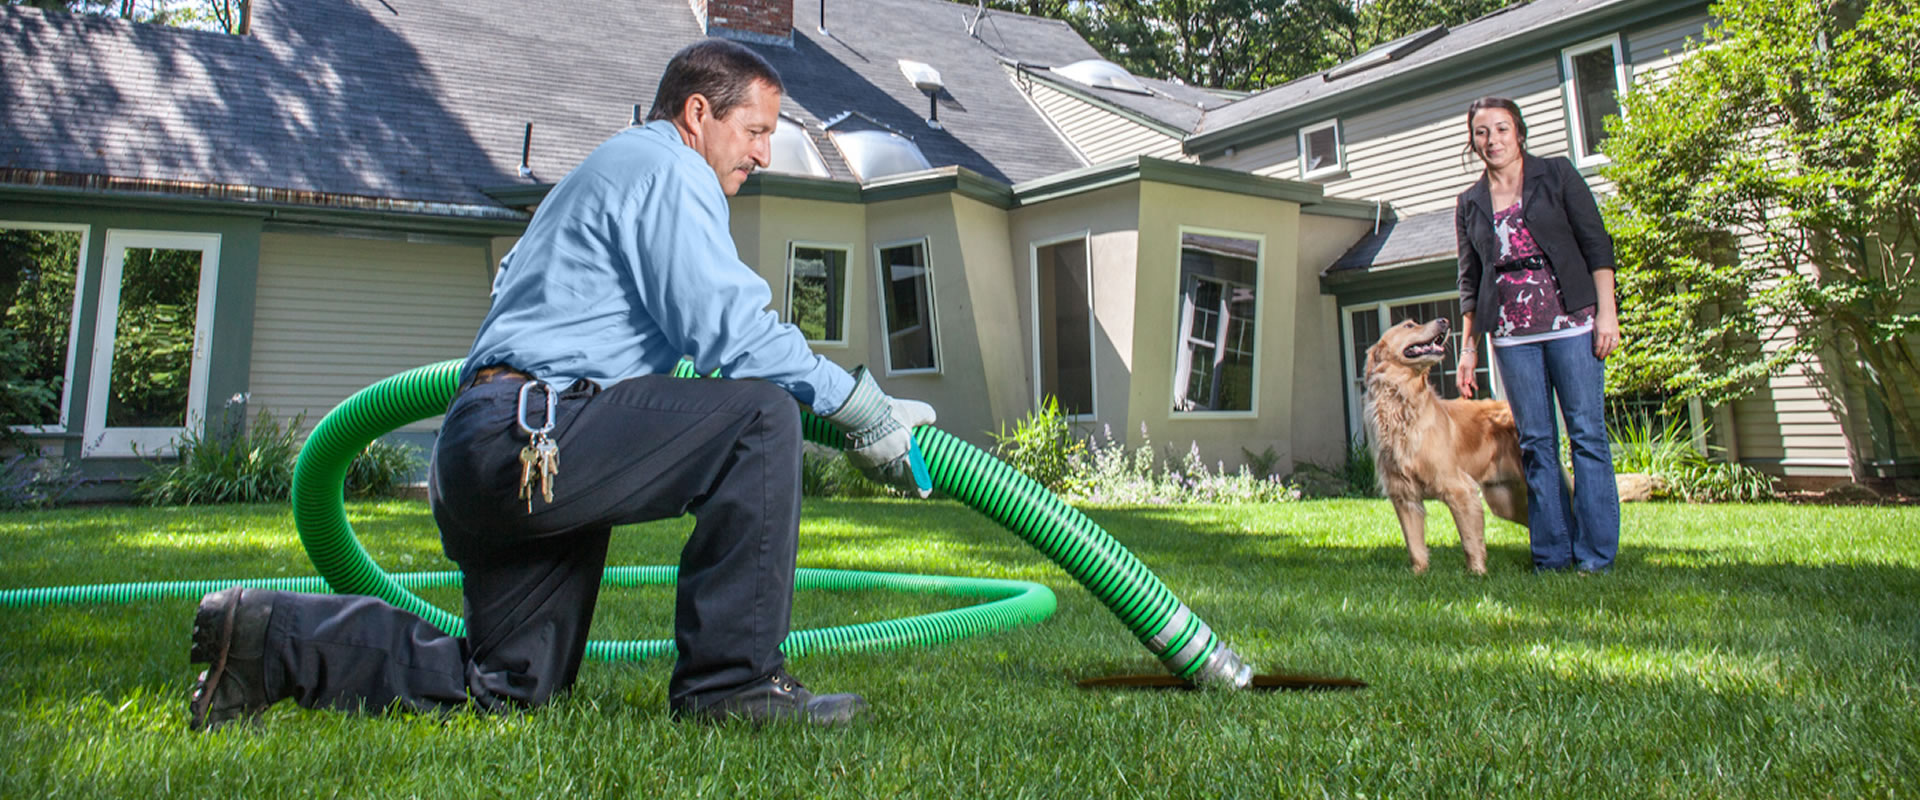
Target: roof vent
{"x":1102,"y":74}
{"x":927,"y":79}
{"x":1381,"y":54}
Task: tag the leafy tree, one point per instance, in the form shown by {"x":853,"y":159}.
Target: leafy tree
{"x":1767,"y":205}
{"x":1244,"y":45}
{"x":227,"y":16}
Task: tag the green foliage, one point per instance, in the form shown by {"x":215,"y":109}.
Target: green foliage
{"x":1768,"y":206}
{"x":1666,"y":452}
{"x":1107,"y":472}
{"x":825,"y":472}
{"x":1244,"y":45}
{"x":230,"y":463}
{"x":153,"y":337}
{"x":1353,"y":477}
{"x":1041,"y":445}
{"x":23,"y":400}
{"x":37,"y":271}
{"x":1264,"y":464}
{"x":382,"y":469}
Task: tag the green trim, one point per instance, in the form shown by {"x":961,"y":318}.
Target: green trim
{"x":1078,"y":181}
{"x":1352,"y":209}
{"x":1178,"y":173}
{"x":799,"y":187}
{"x":286,"y":212}
{"x":1132,"y":115}
{"x":1488,"y":59}
{"x":518,"y":195}
{"x":956,"y":180}
{"x":1373,"y":285}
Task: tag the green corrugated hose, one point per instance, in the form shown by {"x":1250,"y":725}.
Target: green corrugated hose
{"x":1184,"y":643}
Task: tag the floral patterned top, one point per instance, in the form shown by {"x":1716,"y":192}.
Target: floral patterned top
{"x":1530,"y":305}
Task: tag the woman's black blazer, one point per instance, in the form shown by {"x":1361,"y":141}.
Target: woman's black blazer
{"x":1564,"y":221}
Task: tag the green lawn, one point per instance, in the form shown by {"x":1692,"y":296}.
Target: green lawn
{"x":1737,"y":651}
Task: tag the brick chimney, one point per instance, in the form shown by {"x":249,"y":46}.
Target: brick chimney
{"x":762,"y":21}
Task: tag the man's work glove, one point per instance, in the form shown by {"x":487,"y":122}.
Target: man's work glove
{"x":879,"y":432}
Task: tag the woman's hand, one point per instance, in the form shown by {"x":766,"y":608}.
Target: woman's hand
{"x":1606,"y":333}
{"x":1463,"y":379}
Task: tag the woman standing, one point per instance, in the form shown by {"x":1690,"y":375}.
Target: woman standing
{"x":1536,"y":272}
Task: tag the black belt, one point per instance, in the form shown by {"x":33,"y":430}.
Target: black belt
{"x":1529,"y":262}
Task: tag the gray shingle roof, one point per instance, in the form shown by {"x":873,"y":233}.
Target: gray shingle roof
{"x":427,"y":99}
{"x":1407,"y":240}
{"x":1046,"y":43}
{"x":1504,"y":25}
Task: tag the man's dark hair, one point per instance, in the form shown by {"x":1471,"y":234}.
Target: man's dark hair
{"x":722,"y":71}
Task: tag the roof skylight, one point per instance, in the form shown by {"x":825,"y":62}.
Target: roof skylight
{"x":1102,"y":74}
{"x":876,"y":154}
{"x":1383,"y":53}
{"x":793,"y":151}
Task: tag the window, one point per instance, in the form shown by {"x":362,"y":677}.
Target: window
{"x":156,"y":319}
{"x":817,"y":292}
{"x":906,"y":299}
{"x":1364,"y":328}
{"x":1594,"y":78}
{"x":1214,"y":363}
{"x":1063,"y":325}
{"x":39,"y":277}
{"x":1320,"y":152}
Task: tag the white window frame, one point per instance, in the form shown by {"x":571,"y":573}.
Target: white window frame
{"x":1033,"y":308}
{"x":1570,"y":93}
{"x":1339,"y":165}
{"x":73,"y":326}
{"x":1180,"y":322}
{"x":883,"y":286}
{"x":846,"y":290}
{"x":104,"y":442}
{"x":1355,"y":387}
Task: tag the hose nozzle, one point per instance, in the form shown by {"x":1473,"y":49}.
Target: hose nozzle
{"x":1225,"y":670}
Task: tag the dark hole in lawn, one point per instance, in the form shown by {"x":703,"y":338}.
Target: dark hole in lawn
{"x":1266,"y":683}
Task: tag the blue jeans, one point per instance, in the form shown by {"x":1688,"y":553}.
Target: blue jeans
{"x":1583,"y":532}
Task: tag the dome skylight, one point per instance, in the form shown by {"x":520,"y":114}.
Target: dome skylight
{"x":878,"y":153}
{"x":793,"y":151}
{"x":1102,"y":74}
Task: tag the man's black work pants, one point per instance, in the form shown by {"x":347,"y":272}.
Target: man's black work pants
{"x":650,"y":448}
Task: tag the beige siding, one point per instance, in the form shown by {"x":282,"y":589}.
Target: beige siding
{"x":333,"y":315}
{"x":1097,"y":134}
{"x":1411,"y":154}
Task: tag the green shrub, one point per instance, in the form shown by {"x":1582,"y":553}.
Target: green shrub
{"x":825,"y":472}
{"x":225,"y":465}
{"x":1353,"y":477}
{"x":1041,"y":446}
{"x":1665,"y":450}
{"x":1105,"y":471}
{"x":382,"y":469}
{"x":23,"y":400}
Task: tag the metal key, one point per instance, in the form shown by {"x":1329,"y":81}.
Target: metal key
{"x":528,"y":458}
{"x":541,"y":456}
{"x":548,"y":456}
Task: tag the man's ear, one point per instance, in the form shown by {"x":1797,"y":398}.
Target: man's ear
{"x":697,"y":108}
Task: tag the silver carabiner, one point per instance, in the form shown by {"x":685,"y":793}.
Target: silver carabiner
{"x":551,"y":403}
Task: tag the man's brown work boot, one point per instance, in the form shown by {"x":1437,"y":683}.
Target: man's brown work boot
{"x":230,"y":635}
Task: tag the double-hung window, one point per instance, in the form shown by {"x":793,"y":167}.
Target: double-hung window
{"x":1594,"y":77}
{"x":1216,"y":356}
{"x":906,"y":306}
{"x":817,"y":291}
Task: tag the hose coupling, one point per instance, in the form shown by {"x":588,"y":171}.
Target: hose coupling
{"x":1225,"y":670}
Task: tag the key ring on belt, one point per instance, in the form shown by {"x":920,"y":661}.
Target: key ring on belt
{"x":552,"y":402}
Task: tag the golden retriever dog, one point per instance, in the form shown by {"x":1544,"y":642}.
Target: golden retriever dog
{"x":1429,"y":448}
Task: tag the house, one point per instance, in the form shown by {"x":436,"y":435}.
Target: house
{"x":972,"y":204}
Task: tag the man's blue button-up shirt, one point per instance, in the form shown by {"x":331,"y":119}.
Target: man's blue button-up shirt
{"x":627,"y":266}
